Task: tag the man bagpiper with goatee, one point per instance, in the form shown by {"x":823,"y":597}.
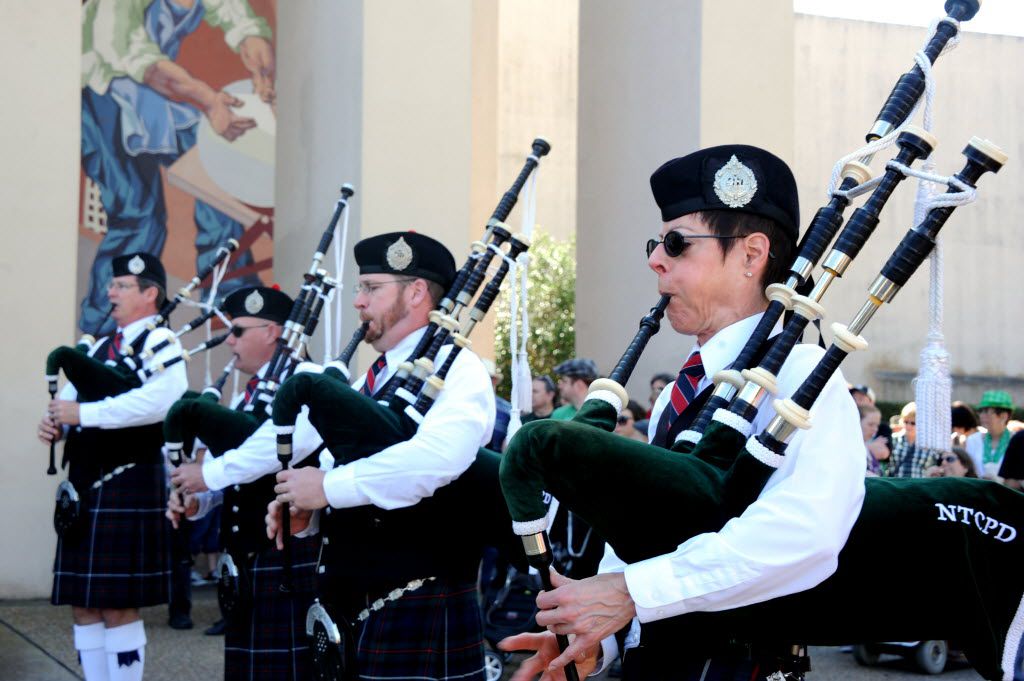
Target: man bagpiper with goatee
{"x":114,"y":559}
{"x":265,"y":637}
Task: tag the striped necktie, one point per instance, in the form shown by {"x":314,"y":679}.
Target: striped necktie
{"x":114,"y":347}
{"x":250,"y":390}
{"x":372,"y":374}
{"x":683,"y":392}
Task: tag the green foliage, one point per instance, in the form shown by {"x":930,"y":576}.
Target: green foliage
{"x":552,"y":310}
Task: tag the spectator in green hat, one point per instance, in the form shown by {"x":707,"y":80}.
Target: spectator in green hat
{"x":987,"y":448}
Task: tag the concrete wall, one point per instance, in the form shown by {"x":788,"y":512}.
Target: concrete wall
{"x":39,"y":195}
{"x":845,"y":70}
{"x":656,"y":83}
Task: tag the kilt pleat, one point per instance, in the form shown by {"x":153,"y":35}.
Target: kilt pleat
{"x":119,"y":557}
{"x":268,"y":641}
{"x":434,"y":632}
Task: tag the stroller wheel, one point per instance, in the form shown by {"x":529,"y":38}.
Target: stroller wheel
{"x":493,"y":665}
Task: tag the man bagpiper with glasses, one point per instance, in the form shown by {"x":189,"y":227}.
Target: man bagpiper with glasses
{"x":113,"y":560}
{"x":730,"y":225}
{"x":433,"y":630}
{"x":264,"y":636}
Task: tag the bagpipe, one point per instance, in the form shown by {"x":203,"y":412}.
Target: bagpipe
{"x":967,"y":527}
{"x":354,"y":426}
{"x":222,"y":428}
{"x":96,"y":379}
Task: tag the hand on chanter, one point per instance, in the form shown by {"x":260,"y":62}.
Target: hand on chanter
{"x":299,"y":521}
{"x":301,"y":487}
{"x":589,"y":610}
{"x":545,"y":649}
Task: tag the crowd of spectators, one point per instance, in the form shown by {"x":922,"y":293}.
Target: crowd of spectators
{"x":984,"y":442}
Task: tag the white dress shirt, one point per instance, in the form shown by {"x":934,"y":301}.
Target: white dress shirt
{"x":789,"y":539}
{"x":444,"y":446}
{"x":149,"y":402}
{"x":257,"y":456}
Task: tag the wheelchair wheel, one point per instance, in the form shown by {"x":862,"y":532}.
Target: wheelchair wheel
{"x":493,"y":665}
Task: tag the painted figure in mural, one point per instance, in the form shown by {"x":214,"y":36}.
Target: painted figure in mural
{"x":140,"y":111}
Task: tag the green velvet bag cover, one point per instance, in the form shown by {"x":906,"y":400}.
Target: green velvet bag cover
{"x":597,"y":413}
{"x":951,"y":552}
{"x":719,"y":445}
{"x":352,"y":425}
{"x":219,"y":427}
{"x":93,"y":379}
{"x":743,"y":483}
{"x":610,"y":481}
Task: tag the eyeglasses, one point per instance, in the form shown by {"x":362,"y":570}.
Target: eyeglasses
{"x":370,"y":287}
{"x":121,"y":285}
{"x":675,"y":242}
{"x":238,"y":331}
{"x":952,"y":458}
{"x":622,"y":419}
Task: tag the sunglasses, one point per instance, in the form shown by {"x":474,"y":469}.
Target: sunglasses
{"x":239,"y":331}
{"x":952,"y":458}
{"x":675,"y":243}
{"x":622,"y":419}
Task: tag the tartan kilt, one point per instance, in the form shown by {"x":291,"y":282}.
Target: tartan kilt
{"x":434,"y":632}
{"x":268,"y":641}
{"x":120,"y":557}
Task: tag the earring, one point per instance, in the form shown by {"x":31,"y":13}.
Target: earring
{"x":748,"y":275}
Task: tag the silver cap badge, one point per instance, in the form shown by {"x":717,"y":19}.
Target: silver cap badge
{"x":136,"y":265}
{"x":735,"y":183}
{"x":253,"y":302}
{"x":399,"y":255}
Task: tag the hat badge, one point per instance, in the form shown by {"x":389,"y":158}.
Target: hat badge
{"x":253,"y":302}
{"x":136,"y":265}
{"x":399,"y":255}
{"x":735,"y":184}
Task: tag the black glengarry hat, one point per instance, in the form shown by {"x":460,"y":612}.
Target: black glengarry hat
{"x":406,"y":254}
{"x":141,"y":265}
{"x":263,"y":302}
{"x":729,"y":177}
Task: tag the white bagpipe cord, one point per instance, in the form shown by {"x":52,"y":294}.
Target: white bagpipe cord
{"x":333,"y":305}
{"x":211,"y":304}
{"x":519,"y":332}
{"x":933,"y":386}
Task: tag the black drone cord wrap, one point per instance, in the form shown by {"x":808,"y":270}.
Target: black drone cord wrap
{"x":894,"y":112}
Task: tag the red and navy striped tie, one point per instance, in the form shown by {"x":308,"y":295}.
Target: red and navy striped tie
{"x":114,"y":348}
{"x":683,"y":392}
{"x":250,"y":390}
{"x":372,"y":374}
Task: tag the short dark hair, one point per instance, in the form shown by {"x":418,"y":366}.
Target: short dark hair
{"x":735,"y":223}
{"x":966,"y":461}
{"x":145,"y":284}
{"x":664,"y":378}
{"x":964,"y":416}
{"x":549,"y":385}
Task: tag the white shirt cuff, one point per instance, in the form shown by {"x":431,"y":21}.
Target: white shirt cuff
{"x":643,"y":580}
{"x":609,"y":652}
{"x":313,"y":527}
{"x":340,"y":487}
{"x":88,"y":414}
{"x":214,"y":474}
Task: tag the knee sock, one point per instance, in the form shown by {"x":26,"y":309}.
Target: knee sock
{"x":92,"y":653}
{"x":126,"y":651}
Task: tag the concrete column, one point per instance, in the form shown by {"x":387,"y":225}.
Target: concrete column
{"x":398,"y":98}
{"x":660,"y":79}
{"x":39,"y":194}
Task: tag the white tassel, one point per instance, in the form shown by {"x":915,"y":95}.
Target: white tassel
{"x":519,"y":333}
{"x":933,"y":386}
